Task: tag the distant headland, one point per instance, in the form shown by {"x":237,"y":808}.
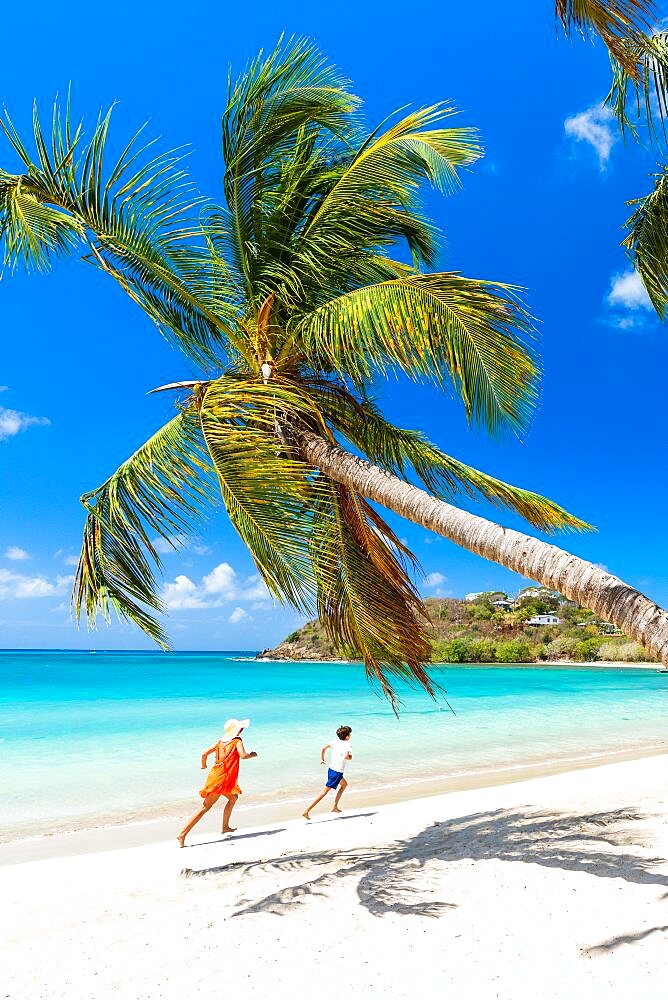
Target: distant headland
{"x":536,"y":625}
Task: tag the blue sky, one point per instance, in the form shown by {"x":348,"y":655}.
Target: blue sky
{"x":544,"y":209}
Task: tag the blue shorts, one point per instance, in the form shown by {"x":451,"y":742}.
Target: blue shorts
{"x":333,"y":778}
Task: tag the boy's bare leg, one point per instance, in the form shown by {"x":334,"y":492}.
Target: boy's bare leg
{"x":227,"y":814}
{"x":343,"y":784}
{"x":206,"y":805}
{"x":324,"y":792}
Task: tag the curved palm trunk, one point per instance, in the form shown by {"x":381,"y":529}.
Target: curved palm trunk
{"x":575,"y":578}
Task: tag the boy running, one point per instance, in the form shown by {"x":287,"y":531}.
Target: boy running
{"x":339,"y":756}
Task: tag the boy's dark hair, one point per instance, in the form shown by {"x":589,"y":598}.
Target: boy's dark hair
{"x":343,"y":732}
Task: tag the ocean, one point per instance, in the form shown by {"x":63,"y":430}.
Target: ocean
{"x":89,"y":739}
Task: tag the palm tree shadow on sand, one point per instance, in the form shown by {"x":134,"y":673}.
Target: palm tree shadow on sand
{"x":588,"y":843}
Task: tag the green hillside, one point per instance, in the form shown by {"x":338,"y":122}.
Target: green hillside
{"x":492,"y":628}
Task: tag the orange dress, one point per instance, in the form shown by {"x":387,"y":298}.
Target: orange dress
{"x":223,"y":777}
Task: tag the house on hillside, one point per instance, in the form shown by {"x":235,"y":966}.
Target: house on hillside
{"x":604,"y":628}
{"x":503,"y":604}
{"x":544,"y":620}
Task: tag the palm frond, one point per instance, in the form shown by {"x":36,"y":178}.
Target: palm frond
{"x":439,"y":327}
{"x":619,"y":23}
{"x":398,"y":450}
{"x":162,"y":490}
{"x":365,"y":598}
{"x":370,"y":198}
{"x":268,"y":494}
{"x":398,"y":160}
{"x":292,"y":92}
{"x":134,"y":217}
{"x":647,"y":242}
{"x":643,"y":98}
{"x":33,"y":231}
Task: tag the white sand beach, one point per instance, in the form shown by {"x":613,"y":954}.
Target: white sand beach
{"x":552,"y":887}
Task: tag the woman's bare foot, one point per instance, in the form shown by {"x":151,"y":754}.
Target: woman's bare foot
{"x":181,"y":839}
{"x":336,"y":809}
{"x":306,"y":815}
{"x":229,"y":829}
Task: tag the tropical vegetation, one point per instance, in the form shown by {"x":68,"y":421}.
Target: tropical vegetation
{"x":294,"y":299}
{"x":489,"y":629}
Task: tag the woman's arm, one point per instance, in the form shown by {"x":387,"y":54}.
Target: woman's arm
{"x":207,"y":753}
{"x":242,"y":752}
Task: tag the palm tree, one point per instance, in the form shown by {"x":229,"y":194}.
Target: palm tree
{"x":622,"y":25}
{"x":292,"y":299}
{"x":638,"y":97}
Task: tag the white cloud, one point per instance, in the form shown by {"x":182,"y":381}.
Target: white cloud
{"x":221,"y":586}
{"x":434,"y":580}
{"x":593,"y":127}
{"x":628,"y":292}
{"x":175,"y":543}
{"x":628,"y":302}
{"x":221,"y":580}
{"x":165,"y":546}
{"x":182,"y":593}
{"x":18,"y":585}
{"x":255,"y":589}
{"x":237,"y":615}
{"x":16,"y":554}
{"x":13,"y":421}
{"x":69,"y":559}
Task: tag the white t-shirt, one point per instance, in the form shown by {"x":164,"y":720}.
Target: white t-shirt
{"x":340,"y":749}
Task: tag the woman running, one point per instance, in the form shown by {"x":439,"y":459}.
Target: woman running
{"x":223,"y":776}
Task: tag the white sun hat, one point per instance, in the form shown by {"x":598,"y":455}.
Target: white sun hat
{"x":233,"y":727}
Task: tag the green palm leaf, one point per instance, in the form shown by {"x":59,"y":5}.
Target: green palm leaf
{"x":370,"y":198}
{"x":647,"y":242}
{"x":134,"y":218}
{"x":397,"y":450}
{"x":641,"y":98}
{"x":619,"y":23}
{"x":292,"y":92}
{"x":32,"y":230}
{"x":362,"y":584}
{"x":163,"y":489}
{"x":439,"y":327}
{"x":398,"y":160}
{"x":267,"y":492}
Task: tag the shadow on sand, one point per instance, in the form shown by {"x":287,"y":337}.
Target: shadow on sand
{"x":225,"y":839}
{"x":340,"y":819}
{"x":615,"y":942}
{"x":594,"y":843}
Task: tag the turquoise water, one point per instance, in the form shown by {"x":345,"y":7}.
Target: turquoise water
{"x":88,"y":738}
